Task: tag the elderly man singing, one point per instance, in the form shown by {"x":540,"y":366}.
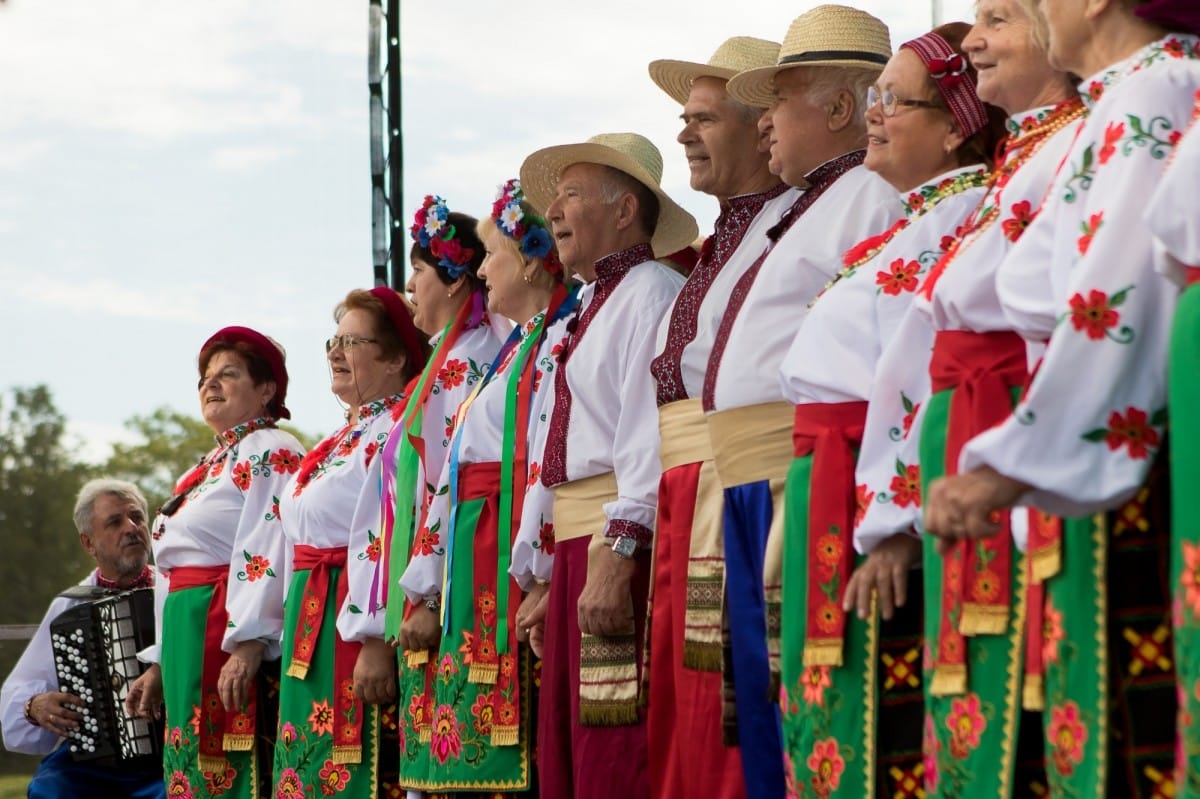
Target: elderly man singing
{"x":112,"y":522}
{"x":610,"y":219}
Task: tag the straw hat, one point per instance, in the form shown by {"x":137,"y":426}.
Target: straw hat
{"x":630,"y":153}
{"x":733,"y":56}
{"x":826,"y":36}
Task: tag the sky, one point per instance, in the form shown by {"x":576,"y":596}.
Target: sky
{"x":170,"y":168}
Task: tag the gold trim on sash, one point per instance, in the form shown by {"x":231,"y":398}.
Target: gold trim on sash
{"x":683,"y":434}
{"x":752,"y":443}
{"x":579,"y":506}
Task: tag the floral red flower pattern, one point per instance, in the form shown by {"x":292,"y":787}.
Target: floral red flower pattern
{"x":906,"y":485}
{"x":1189,"y":578}
{"x":428,"y":540}
{"x":1112,"y":136}
{"x":1132,"y":430}
{"x":321,"y":717}
{"x":1089,"y":229}
{"x":546,"y":538}
{"x":334,"y":777}
{"x":284,"y":461}
{"x":242,"y":475}
{"x":1066,"y":736}
{"x":1014,"y":226}
{"x":901,"y":277}
{"x":445,"y":741}
{"x":452,"y":373}
{"x":826,"y":764}
{"x":862,"y":500}
{"x":966,"y":723}
{"x":1094,"y":315}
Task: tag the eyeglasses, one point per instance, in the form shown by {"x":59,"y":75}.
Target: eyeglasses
{"x":890,"y":103}
{"x":347,"y":341}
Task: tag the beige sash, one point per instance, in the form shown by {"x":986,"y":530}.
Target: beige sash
{"x":579,"y":506}
{"x":752,"y":443}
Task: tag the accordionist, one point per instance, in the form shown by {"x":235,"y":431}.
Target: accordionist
{"x":35,"y":716}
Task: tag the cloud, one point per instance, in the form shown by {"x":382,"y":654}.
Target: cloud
{"x":238,"y":159}
{"x":165,"y":70}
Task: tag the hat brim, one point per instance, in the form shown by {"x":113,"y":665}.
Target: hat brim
{"x":676,"y":228}
{"x":676,"y":77}
{"x":757,"y":86}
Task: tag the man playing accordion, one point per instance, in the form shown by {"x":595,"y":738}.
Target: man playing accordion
{"x":34,"y":715}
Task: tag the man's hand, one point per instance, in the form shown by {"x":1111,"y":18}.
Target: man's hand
{"x":422,"y":630}
{"x":375,"y":672}
{"x":531,"y":617}
{"x":233,"y":684}
{"x":885,"y":571}
{"x":968,"y":505}
{"x":606,"y":604}
{"x":145,"y":697}
{"x":55,"y":711}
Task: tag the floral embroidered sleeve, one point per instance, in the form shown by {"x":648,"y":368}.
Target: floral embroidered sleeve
{"x":260,"y":564}
{"x":1092,"y":420}
{"x":355,"y":622}
{"x":888,"y":474}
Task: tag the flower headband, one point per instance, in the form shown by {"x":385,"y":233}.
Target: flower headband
{"x":432,"y":229}
{"x":514,"y":217}
{"x":948,"y":69}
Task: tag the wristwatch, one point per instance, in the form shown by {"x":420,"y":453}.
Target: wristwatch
{"x":625,"y":547}
{"x":434,"y":602}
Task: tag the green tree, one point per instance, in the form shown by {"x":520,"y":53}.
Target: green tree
{"x":171,"y":444}
{"x":39,"y":480}
{"x":38,"y":483}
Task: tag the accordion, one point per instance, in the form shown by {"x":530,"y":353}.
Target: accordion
{"x":95,"y":648}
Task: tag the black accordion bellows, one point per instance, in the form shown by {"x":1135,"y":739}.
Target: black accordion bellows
{"x":95,"y":654}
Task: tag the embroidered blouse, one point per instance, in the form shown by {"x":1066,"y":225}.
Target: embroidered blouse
{"x":342,"y":493}
{"x":964,"y":298}
{"x":1087,"y":429}
{"x":802,"y":261}
{"x":231,"y":517}
{"x":479,"y":436}
{"x":834,"y":356}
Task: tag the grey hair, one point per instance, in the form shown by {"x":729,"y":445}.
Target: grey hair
{"x":99,"y":487}
{"x":827,"y":82}
{"x":614,"y":183}
{"x":1039,"y":31}
{"x":746,"y":114}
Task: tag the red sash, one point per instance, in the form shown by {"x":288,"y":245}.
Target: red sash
{"x":1191,"y":275}
{"x":830,"y":432}
{"x":982,"y":368}
{"x":220,"y":731}
{"x":348,"y":710}
{"x":487,"y":666}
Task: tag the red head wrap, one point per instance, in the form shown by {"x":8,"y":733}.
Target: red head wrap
{"x":955,"y":82}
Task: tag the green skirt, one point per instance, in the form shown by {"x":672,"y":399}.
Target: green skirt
{"x":184,"y":618}
{"x":982,"y":742}
{"x":304,"y":751}
{"x":850,"y":731}
{"x":467,"y":713}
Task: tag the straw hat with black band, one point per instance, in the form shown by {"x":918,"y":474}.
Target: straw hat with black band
{"x":826,"y":36}
{"x":735,"y":55}
{"x":630,"y":153}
